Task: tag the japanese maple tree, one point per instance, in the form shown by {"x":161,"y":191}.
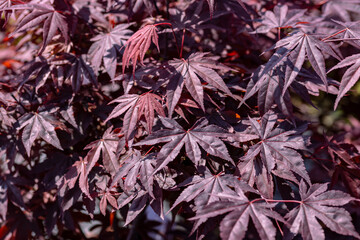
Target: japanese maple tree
{"x":179,"y":119}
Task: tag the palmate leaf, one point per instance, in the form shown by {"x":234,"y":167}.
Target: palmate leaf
{"x":197,"y":66}
{"x":350,"y":77}
{"x":53,"y":21}
{"x":67,"y":182}
{"x":270,"y":90}
{"x":107,"y":146}
{"x":137,"y":167}
{"x":280,"y":17}
{"x":79,"y":72}
{"x":37,"y":125}
{"x":239,"y":211}
{"x":277,"y":149}
{"x":207,"y":136}
{"x":341,"y":8}
{"x":138,"y":44}
{"x":136,"y":106}
{"x":140,"y":199}
{"x":338,"y":149}
{"x":38,"y":70}
{"x":204,"y":189}
{"x":296,"y":48}
{"x":307,"y":83}
{"x":106,"y":48}
{"x":254,"y":172}
{"x":318,"y":204}
{"x":107,"y":197}
{"x":349,"y":31}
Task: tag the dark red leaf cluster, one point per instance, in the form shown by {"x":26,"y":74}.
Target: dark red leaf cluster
{"x":207,"y":135}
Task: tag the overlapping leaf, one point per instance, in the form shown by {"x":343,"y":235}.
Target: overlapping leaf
{"x":79,"y":72}
{"x":350,"y":77}
{"x":197,"y":66}
{"x":106,"y":48}
{"x":140,"y":199}
{"x":8,"y":191}
{"x":239,"y":211}
{"x":117,"y":173}
{"x":107,"y":146}
{"x":280,"y":17}
{"x":204,"y":189}
{"x":38,"y":125}
{"x":277,"y":149}
{"x":68,"y":192}
{"x":37,"y":70}
{"x":193,"y":18}
{"x":341,"y":8}
{"x":53,"y":21}
{"x":107,"y":197}
{"x":307,"y":83}
{"x":296,"y":48}
{"x":270,"y":88}
{"x":207,"y":136}
{"x":137,"y":167}
{"x":138,"y":44}
{"x":318,"y":204}
{"x":136,"y":106}
{"x":349,"y":31}
{"x":336,"y":148}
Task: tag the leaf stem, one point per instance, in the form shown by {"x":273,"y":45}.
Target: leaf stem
{"x":149,"y":151}
{"x":17,"y":2}
{"x":278,"y":32}
{"x":182,"y":43}
{"x":275,"y":200}
{"x":173,"y":32}
{"x":278,"y":225}
{"x":333,"y":35}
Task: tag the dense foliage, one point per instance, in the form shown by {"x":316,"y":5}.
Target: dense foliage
{"x":176,"y":119}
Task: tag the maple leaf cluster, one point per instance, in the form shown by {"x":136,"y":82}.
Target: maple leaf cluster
{"x":179,"y":119}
